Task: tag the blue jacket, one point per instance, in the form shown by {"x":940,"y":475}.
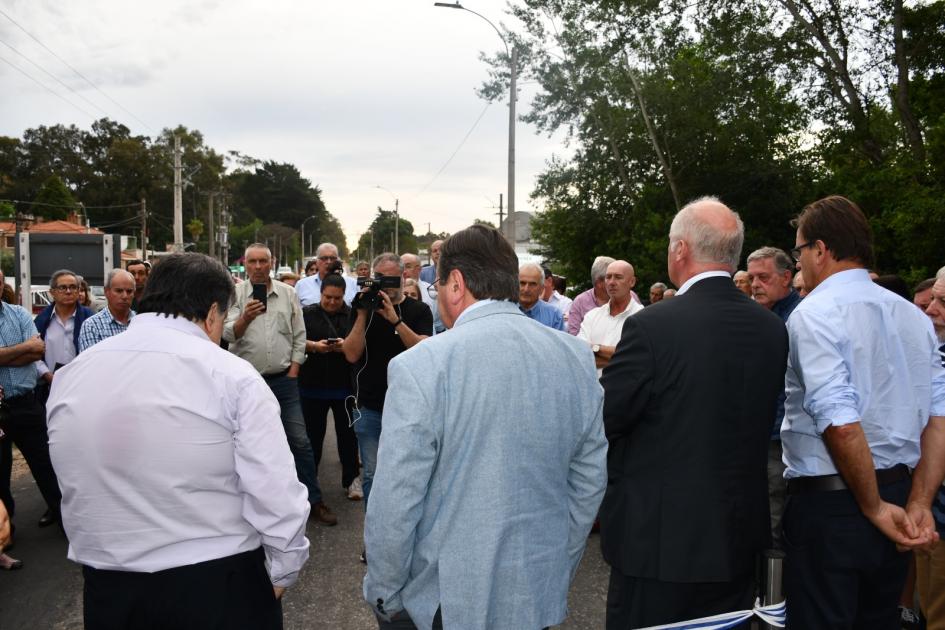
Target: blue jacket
{"x":42,"y":322}
{"x":485,"y":489}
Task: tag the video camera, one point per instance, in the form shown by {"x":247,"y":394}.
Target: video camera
{"x":371,"y":299}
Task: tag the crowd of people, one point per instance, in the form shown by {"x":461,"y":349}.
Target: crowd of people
{"x":489,"y":422}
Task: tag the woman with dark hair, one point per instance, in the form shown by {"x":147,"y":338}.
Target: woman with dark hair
{"x":325,"y":379}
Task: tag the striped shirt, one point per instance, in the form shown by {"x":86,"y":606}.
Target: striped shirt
{"x":99,"y":327}
{"x":16,"y":326}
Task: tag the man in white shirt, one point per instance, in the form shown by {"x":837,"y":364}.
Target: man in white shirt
{"x":309,"y":288}
{"x":181,"y":502}
{"x":601,"y":327}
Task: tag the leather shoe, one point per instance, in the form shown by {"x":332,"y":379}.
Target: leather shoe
{"x":9,"y":564}
{"x":48,"y":519}
{"x":323,"y":514}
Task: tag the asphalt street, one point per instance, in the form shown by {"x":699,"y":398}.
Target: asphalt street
{"x":47,"y":592}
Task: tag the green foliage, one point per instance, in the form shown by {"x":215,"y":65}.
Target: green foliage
{"x":382,"y":229}
{"x":745,"y":101}
{"x":53,"y":201}
{"x":195,"y":227}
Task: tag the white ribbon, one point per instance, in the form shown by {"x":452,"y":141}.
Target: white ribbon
{"x":774,"y":614}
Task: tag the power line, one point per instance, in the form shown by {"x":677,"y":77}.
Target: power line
{"x":79,"y":74}
{"x":75,"y":205}
{"x":45,"y":87}
{"x":450,"y":159}
{"x":54,"y":77}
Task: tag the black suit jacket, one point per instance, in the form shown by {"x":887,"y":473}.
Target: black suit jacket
{"x":689,"y":401}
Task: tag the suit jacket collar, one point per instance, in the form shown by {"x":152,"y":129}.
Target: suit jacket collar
{"x":499,"y":307}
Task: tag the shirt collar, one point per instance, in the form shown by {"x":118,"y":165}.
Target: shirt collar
{"x":701,"y":276}
{"x":131,"y":316}
{"x":848,"y":276}
{"x":158,"y":320}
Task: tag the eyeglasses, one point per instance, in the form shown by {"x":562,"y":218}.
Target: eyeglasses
{"x":328,"y":258}
{"x":796,"y":251}
{"x":66,"y":288}
{"x":431,"y":290}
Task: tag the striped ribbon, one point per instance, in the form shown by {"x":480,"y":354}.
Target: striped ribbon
{"x":774,"y":615}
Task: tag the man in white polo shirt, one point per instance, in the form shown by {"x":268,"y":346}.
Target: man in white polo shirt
{"x":602,"y":326}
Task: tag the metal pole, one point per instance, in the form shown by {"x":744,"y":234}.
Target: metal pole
{"x":211,"y":235}
{"x":513,"y":71}
{"x":397,"y":226}
{"x":178,"y":202}
{"x":144,"y":229}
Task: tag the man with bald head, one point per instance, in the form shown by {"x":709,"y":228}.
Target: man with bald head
{"x":743,"y":281}
{"x":114,"y":319}
{"x":602,"y":326}
{"x":531,"y":283}
{"x":428,"y":273}
{"x":686,"y":510}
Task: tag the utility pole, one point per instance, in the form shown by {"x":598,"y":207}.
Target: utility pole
{"x":514,"y":71}
{"x":144,"y":229}
{"x":178,"y":202}
{"x":225,"y":234}
{"x":211,"y":244}
{"x":501,"y":230}
{"x":397,"y":226}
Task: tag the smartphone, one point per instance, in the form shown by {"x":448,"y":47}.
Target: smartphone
{"x":259,"y":293}
{"x":332,"y":340}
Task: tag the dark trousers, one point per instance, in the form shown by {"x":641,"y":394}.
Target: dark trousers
{"x":840,"y":571}
{"x":634,"y":602}
{"x":315,"y":411}
{"x":23,"y":421}
{"x":225,"y":594}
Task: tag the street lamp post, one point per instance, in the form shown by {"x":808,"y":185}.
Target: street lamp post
{"x":513,"y":71}
{"x":396,"y":220}
{"x":302,"y":248}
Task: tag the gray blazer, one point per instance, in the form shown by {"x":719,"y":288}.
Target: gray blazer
{"x":488,"y":476}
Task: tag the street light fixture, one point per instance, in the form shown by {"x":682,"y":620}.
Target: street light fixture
{"x":513,"y":71}
{"x":396,"y":220}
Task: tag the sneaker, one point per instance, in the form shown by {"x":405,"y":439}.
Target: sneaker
{"x":355,"y":491}
{"x":323,"y":514}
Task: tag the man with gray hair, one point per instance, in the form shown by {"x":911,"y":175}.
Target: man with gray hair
{"x":592,"y":298}
{"x":115,"y":317}
{"x":656,"y":292}
{"x":531,"y":279}
{"x":769,"y":275}
{"x":686,"y":509}
{"x":309,"y":288}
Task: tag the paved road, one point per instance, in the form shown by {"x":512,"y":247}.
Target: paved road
{"x":47,"y":592}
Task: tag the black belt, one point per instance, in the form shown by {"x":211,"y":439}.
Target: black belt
{"x":276,"y":374}
{"x":832,"y":483}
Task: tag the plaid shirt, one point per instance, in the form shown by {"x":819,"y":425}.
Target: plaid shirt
{"x":16,"y":326}
{"x":99,"y":327}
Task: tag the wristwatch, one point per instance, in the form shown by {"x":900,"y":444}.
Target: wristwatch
{"x":595,"y":348}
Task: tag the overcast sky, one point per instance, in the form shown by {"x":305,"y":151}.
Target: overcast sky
{"x":355,"y":93}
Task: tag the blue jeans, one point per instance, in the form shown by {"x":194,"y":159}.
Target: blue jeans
{"x":286,"y":391}
{"x":368,"y":429}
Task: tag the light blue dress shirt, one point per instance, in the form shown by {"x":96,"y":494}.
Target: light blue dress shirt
{"x":309,"y":289}
{"x":544,"y":313}
{"x":16,"y":326}
{"x":859,"y":353}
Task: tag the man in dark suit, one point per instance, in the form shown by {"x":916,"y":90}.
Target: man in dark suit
{"x":689,"y":402}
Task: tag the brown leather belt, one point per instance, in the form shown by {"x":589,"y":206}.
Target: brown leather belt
{"x":832,"y":483}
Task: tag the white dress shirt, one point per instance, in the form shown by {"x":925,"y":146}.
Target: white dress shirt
{"x":170,"y":451}
{"x":309,"y":289}
{"x":602,"y":328}
{"x":60,"y":347}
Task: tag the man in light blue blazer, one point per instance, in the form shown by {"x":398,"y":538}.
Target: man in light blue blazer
{"x":485,"y":490}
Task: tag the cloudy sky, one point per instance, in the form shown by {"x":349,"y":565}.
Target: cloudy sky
{"x":356,"y":93}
